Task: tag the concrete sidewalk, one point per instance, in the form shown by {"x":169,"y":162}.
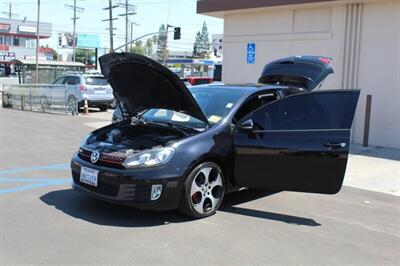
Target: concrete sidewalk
{"x":374,"y":168}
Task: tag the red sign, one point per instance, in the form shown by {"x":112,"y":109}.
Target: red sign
{"x":5,"y":27}
{"x":4,"y":47}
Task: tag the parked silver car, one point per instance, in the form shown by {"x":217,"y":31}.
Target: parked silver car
{"x":94,"y":88}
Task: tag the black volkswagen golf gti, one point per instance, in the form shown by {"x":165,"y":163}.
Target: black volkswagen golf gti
{"x":180,"y":148}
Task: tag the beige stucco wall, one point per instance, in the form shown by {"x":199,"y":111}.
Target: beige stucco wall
{"x":320,"y":30}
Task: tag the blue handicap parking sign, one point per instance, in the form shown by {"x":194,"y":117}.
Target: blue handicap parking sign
{"x":251,"y":53}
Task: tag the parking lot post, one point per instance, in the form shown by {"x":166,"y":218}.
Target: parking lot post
{"x":65,"y":100}
{"x":367,"y":120}
{"x":22,"y":98}
{"x":30,"y":97}
{"x":51,"y":98}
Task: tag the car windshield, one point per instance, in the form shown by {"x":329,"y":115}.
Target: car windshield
{"x":214,"y":102}
{"x":97,"y":81}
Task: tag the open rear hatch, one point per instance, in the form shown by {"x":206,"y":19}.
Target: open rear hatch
{"x":141,"y":83}
{"x":305,"y":72}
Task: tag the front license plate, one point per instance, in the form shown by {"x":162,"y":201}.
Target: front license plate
{"x":89,"y":176}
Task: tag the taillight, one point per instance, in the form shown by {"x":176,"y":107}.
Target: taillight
{"x":82,"y":88}
{"x":325,"y":60}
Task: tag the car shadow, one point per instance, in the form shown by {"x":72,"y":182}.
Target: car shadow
{"x":243,"y":196}
{"x":81,"y":206}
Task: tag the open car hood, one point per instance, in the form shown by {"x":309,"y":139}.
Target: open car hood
{"x":141,"y":83}
{"x":305,"y":72}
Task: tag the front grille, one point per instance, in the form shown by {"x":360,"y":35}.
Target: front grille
{"x":112,"y":159}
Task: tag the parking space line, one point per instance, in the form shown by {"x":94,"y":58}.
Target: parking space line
{"x":15,"y":179}
{"x":32,"y":186}
{"x":31,"y":182}
{"x":51,"y":167}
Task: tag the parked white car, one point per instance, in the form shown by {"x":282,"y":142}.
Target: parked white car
{"x":94,"y":88}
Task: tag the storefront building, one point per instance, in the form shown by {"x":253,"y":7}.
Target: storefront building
{"x":18,"y":41}
{"x":362,"y":37}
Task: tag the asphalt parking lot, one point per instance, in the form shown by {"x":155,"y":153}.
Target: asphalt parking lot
{"x":43,"y":221}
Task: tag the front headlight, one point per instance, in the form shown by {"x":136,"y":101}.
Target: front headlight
{"x":85,"y":140}
{"x":149,"y":158}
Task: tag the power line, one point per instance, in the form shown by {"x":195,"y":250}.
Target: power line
{"x":76,"y":9}
{"x":110,"y":21}
{"x":9,"y":13}
{"x":129,"y":10}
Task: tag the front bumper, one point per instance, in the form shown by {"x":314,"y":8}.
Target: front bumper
{"x":129,"y":187}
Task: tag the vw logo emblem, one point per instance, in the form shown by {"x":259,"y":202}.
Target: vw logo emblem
{"x":94,"y":157}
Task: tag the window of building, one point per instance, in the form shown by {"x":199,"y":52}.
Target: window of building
{"x":16,"y":41}
{"x":30,"y":43}
{"x":7,"y":40}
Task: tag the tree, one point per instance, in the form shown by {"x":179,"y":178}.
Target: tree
{"x":201,"y":46}
{"x":162,"y":38}
{"x":149,"y":47}
{"x":84,"y":56}
{"x":138,"y":48}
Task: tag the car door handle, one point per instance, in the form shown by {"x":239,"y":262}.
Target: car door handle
{"x":335,"y":145}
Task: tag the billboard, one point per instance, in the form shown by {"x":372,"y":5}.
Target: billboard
{"x":88,"y":41}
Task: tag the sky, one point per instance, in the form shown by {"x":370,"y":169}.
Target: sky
{"x":150,"y":15}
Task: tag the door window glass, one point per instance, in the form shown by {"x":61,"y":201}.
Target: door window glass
{"x":59,"y":81}
{"x":317,"y":110}
{"x":76,"y":81}
{"x":254,"y":103}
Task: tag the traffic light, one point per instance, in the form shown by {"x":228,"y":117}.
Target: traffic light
{"x":177,"y":33}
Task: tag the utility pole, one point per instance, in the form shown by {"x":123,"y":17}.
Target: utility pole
{"x":165,"y":54}
{"x":110,"y":20}
{"x":129,"y":10}
{"x":131,"y":38}
{"x":10,"y":14}
{"x":130,"y":46}
{"x":37,"y":42}
{"x":75,"y":9}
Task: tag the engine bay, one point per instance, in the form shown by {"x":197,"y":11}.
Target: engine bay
{"x":132,"y":138}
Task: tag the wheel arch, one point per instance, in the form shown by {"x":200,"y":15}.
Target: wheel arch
{"x":214,"y":158}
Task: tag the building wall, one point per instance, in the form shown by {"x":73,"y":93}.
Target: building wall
{"x":379,"y":73}
{"x":362,"y":39}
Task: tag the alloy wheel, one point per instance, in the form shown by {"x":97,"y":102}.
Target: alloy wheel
{"x":206,"y":190}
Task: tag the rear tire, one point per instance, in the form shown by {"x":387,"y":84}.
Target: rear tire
{"x":71,"y":105}
{"x":203,"y":191}
{"x":103,"y":108}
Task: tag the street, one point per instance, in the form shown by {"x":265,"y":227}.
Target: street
{"x":44,"y":221}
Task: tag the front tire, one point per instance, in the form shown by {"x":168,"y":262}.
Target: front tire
{"x":203,"y":191}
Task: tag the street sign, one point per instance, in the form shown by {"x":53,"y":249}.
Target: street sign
{"x":251,"y":53}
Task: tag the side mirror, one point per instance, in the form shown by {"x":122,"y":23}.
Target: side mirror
{"x":247,"y":125}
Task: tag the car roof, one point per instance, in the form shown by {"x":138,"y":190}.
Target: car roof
{"x":82,"y":75}
{"x":247,"y":88}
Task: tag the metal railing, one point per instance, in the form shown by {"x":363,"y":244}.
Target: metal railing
{"x":62,"y":99}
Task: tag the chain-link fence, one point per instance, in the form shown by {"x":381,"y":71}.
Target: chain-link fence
{"x":62,"y":99}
